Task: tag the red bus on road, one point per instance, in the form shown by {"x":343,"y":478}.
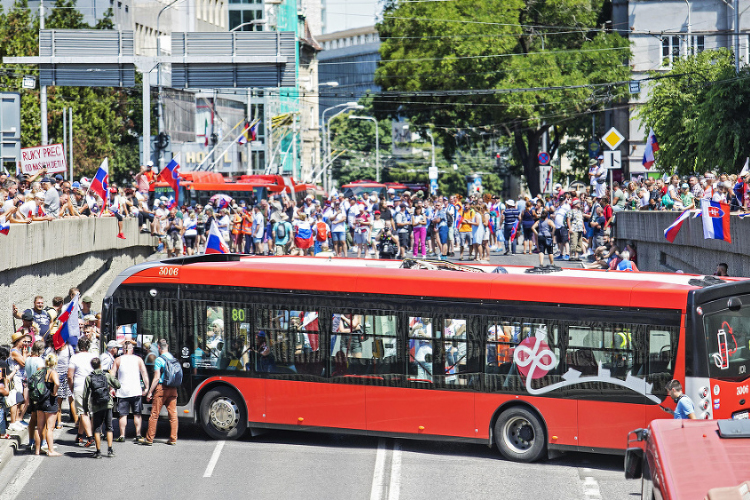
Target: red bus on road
{"x":199,"y":187}
{"x":531,"y":363}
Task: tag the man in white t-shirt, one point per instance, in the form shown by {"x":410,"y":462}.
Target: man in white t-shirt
{"x":338,"y":231}
{"x":258,"y":229}
{"x":79,"y":367}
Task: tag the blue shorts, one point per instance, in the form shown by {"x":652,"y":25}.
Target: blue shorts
{"x":443,"y":233}
{"x":338,"y":237}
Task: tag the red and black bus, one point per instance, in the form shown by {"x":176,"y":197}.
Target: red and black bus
{"x":531,"y":363}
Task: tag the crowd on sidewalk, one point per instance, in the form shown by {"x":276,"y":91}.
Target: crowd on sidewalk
{"x":40,"y":373}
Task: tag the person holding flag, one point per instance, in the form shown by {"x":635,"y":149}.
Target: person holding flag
{"x":69,"y":328}
{"x":715,"y":216}
{"x":100,"y":182}
{"x":171,"y":175}
{"x":215,"y":242}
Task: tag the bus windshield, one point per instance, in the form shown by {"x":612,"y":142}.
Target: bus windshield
{"x":364,"y":190}
{"x":727,"y":335}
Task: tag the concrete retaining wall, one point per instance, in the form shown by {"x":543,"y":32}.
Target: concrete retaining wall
{"x":48,"y":258}
{"x":689,"y":252}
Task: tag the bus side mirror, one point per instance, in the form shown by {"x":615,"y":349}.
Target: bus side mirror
{"x":633,"y":463}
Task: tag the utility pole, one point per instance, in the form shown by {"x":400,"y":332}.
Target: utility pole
{"x":737,"y":36}
{"x":43,"y":88}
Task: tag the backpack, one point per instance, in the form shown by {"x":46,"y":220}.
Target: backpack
{"x":322,"y":231}
{"x":172,"y":372}
{"x":280,"y":231}
{"x":38,"y":389}
{"x":99,"y":388}
{"x":449,"y":217}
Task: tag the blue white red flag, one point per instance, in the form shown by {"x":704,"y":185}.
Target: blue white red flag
{"x":69,"y":330}
{"x":652,"y":146}
{"x":171,"y":203}
{"x":716,"y":220}
{"x":171,"y":175}
{"x":215,"y":242}
{"x":100,"y":182}
{"x":670,"y":233}
{"x":249,"y":133}
{"x":514,"y":231}
{"x":4,"y":226}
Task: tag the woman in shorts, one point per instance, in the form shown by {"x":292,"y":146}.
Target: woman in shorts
{"x":544,"y":229}
{"x":46,"y":410}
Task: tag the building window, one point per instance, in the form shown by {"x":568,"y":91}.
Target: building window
{"x":699,"y":44}
{"x":126,"y":8}
{"x":670,"y":49}
{"x":238,"y":16}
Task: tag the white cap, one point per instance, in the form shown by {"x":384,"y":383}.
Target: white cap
{"x":511,"y":203}
{"x":391,"y":191}
{"x":149,"y":163}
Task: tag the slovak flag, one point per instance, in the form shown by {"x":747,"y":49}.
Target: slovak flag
{"x":171,"y":175}
{"x":100,"y":182}
{"x":652,"y":146}
{"x":4,"y":226}
{"x":69,"y":330}
{"x":215,"y":243}
{"x":715,"y":217}
{"x":514,"y":231}
{"x":171,"y":203}
{"x":670,"y":233}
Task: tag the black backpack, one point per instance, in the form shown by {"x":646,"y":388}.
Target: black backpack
{"x":99,"y":388}
{"x":172,"y":372}
{"x":38,"y":388}
{"x":280,"y":230}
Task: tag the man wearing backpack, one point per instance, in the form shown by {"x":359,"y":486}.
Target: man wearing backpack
{"x":97,"y":401}
{"x":167,"y":378}
{"x":282,"y":232}
{"x":321,"y":231}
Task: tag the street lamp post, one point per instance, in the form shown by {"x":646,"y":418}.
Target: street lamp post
{"x":327,"y":159}
{"x":377,"y":143}
{"x":432,"y":140}
{"x":160,"y":104}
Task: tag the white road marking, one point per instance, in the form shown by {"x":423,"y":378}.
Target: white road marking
{"x":394,"y":488}
{"x":378,"y":475}
{"x":591,"y":489}
{"x":214,"y":459}
{"x":13,"y":488}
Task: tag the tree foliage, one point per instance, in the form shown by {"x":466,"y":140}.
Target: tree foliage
{"x":468,"y":61}
{"x":105,"y":120}
{"x":698,"y":111}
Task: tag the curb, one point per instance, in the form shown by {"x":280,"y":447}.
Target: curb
{"x":9,"y":447}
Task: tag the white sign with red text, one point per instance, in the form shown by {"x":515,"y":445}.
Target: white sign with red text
{"x":51,"y":157}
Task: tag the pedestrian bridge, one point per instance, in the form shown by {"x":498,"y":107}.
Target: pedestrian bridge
{"x":689,"y":252}
{"x":48,"y":258}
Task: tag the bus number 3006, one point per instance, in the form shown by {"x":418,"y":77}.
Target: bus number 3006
{"x":169,"y":271}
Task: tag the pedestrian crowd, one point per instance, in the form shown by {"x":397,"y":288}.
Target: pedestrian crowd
{"x":38,"y":376}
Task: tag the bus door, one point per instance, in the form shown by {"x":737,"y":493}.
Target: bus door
{"x":220,"y":344}
{"x":293,"y":356}
{"x":610,"y":394}
{"x":437,"y":398}
{"x":145,"y":320}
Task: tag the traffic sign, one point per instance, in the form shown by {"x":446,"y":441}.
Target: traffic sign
{"x":543,"y":158}
{"x":612,"y":159}
{"x":432,"y":173}
{"x":593,"y":148}
{"x":613,"y":138}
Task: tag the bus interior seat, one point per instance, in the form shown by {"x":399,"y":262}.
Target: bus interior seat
{"x":582,"y":360}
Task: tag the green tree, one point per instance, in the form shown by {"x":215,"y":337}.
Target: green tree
{"x":106,"y":121}
{"x":465,"y":64}
{"x":698,"y":111}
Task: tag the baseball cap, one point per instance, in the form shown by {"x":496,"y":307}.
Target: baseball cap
{"x":46,"y":179}
{"x":391,"y":191}
{"x":685,"y":186}
{"x":27,"y":316}
{"x":58,"y":177}
{"x":76,"y":185}
{"x":376,"y":212}
{"x":87,"y":298}
{"x":600,"y":157}
{"x":149,"y":164}
{"x":112,"y":344}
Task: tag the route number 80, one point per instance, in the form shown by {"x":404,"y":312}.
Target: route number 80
{"x":238,"y":315}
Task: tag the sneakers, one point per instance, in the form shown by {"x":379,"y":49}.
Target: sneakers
{"x":145,"y":442}
{"x":566,"y":257}
{"x":121,"y":236}
{"x":560,"y":257}
{"x":97,"y":454}
{"x":138,"y":439}
{"x":16,"y":427}
{"x":89,"y":442}
{"x":120,"y":439}
{"x":110,"y":453}
{"x":171,"y":443}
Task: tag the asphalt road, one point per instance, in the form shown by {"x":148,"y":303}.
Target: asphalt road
{"x":307,"y":465}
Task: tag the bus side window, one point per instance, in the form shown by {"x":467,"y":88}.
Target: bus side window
{"x":279,"y":336}
{"x":661,"y":353}
{"x":422,"y":347}
{"x":454,"y":333}
{"x":502,"y":338}
{"x":308,"y":357}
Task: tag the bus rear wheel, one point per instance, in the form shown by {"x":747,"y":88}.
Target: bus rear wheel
{"x":223,"y":414}
{"x":519,"y":435}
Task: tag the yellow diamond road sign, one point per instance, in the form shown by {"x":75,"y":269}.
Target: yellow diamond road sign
{"x":613,"y":138}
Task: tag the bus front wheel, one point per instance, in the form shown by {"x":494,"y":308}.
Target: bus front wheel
{"x":519,"y":435}
{"x":223,"y":414}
